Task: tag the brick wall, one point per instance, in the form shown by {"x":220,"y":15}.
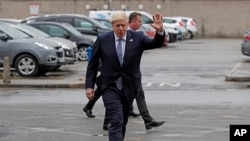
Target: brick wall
{"x":216,"y":18}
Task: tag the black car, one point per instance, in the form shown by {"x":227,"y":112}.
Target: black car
{"x":82,"y":23}
{"x":66,"y":31}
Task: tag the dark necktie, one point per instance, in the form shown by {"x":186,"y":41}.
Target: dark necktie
{"x":119,"y":54}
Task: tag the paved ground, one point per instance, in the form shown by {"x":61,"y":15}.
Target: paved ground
{"x":58,"y":121}
{"x":48,"y":118}
{"x":74,"y":77}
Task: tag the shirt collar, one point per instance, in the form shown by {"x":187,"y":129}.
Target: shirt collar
{"x":123,"y":38}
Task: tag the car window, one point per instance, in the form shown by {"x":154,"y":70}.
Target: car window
{"x":14,"y":33}
{"x":106,"y":23}
{"x":70,"y":28}
{"x":53,"y":30}
{"x":64,"y":20}
{"x":82,"y":23}
{"x":34,"y":30}
{"x":171,"y":21}
{"x":146,"y":19}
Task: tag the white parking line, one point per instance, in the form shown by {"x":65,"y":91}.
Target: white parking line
{"x":148,"y":84}
{"x":170,"y":84}
{"x":236,"y":66}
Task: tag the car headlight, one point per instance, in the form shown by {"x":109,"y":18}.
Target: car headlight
{"x":43,"y":46}
{"x":63,"y":46}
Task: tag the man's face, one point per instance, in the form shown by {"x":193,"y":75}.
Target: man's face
{"x":120,"y":28}
{"x":136,"y":23}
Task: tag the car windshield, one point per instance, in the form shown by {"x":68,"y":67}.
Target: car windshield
{"x":169,"y":20}
{"x":33,"y":30}
{"x":13,"y":32}
{"x":71,"y":29}
{"x":105,"y":22}
{"x":98,"y":23}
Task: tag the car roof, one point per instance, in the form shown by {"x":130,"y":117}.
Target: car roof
{"x":13,"y":21}
{"x":65,"y":15}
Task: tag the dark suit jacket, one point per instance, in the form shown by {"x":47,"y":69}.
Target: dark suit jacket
{"x":104,"y":49}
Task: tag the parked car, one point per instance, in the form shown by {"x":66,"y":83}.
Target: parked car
{"x":105,"y":22}
{"x":66,"y":31}
{"x":28,"y":56}
{"x":191,"y":25}
{"x":69,"y":47}
{"x":84,"y":24}
{"x":245,"y":45}
{"x":171,"y":22}
{"x":173,"y":33}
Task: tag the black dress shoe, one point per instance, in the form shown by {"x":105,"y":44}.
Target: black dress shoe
{"x":88,"y":113}
{"x":133,"y":114}
{"x":154,"y":123}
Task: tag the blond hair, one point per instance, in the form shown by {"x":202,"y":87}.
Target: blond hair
{"x":119,"y":15}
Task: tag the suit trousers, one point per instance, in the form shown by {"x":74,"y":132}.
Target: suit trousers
{"x":117,"y":108}
{"x":142,"y":107}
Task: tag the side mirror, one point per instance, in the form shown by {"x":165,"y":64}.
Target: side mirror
{"x":66,"y":36}
{"x":3,"y":36}
{"x":94,"y":28}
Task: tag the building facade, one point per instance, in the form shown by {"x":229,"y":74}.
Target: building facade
{"x":216,"y":18}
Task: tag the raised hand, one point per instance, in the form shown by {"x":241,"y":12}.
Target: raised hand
{"x":157,"y":24}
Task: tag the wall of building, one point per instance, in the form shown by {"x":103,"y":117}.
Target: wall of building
{"x":216,"y":18}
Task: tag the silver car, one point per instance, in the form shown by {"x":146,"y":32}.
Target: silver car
{"x":28,"y":56}
{"x":191,"y":25}
{"x":69,"y":47}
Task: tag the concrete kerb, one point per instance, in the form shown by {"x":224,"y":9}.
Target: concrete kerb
{"x":73,"y":86}
{"x":45,"y":82}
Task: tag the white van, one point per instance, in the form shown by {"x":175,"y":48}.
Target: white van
{"x":105,"y":14}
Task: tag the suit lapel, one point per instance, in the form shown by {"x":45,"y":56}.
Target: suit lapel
{"x":113,"y":47}
{"x":128,"y":46}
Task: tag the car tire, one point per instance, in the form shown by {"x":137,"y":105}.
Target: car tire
{"x":189,"y":35}
{"x":82,"y":53}
{"x":26,"y":65}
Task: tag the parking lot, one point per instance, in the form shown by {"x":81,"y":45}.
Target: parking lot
{"x":198,"y":101}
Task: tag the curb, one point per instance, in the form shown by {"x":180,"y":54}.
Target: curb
{"x":237,"y":78}
{"x":73,"y":85}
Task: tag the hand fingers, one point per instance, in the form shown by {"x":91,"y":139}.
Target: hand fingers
{"x":90,"y":96}
{"x":157,"y":17}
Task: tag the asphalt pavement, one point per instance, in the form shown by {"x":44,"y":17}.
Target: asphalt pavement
{"x":73,"y":76}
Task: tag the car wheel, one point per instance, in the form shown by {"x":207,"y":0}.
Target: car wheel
{"x":26,"y":65}
{"x":82,"y":53}
{"x":189,"y":35}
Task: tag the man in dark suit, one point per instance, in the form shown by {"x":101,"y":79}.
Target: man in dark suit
{"x":120,"y":52}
